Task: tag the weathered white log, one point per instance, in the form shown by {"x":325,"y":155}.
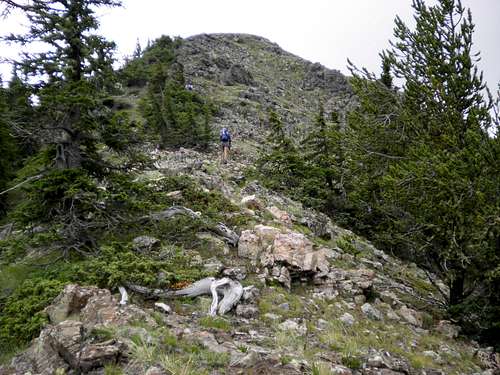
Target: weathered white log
{"x":148,"y":292}
{"x":195,"y":289}
{"x":124,"y":294}
{"x":164,"y":307}
{"x":171,"y":212}
{"x":232,"y":292}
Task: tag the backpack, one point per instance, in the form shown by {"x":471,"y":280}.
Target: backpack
{"x":224,"y":135}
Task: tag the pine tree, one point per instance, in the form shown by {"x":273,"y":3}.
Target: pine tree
{"x":324,"y":154}
{"x":138,"y":50}
{"x":386,"y":77}
{"x":76,"y":65}
{"x":282,"y":166}
{"x":422,"y":160}
{"x":376,"y":139}
{"x":7,"y":148}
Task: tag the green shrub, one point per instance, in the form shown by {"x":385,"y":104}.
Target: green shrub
{"x":117,"y":264}
{"x":21,"y":314}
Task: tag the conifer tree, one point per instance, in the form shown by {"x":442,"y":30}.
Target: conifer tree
{"x":434,"y":186}
{"x":71,"y":70}
{"x":7,"y":148}
{"x":282,"y":165}
{"x":323,"y":147}
{"x":386,"y":77}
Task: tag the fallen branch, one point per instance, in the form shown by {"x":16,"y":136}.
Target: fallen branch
{"x":232,"y":291}
{"x":149,"y":293}
{"x":32,"y":178}
{"x":124,"y":294}
{"x":229,"y":235}
{"x":197,"y":288}
{"x":219,"y":229}
{"x":171,"y":212}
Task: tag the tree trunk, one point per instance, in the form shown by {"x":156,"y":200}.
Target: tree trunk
{"x":457,"y":289}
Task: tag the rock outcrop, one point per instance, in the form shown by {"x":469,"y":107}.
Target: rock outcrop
{"x":68,"y":344}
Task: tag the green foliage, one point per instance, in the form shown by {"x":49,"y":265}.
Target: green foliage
{"x":215,"y":322}
{"x":56,"y":192}
{"x":71,"y":78}
{"x":422,"y":167}
{"x":118,"y":264}
{"x":180,"y":116}
{"x":352,"y":362}
{"x":282,"y":167}
{"x":21,"y":315}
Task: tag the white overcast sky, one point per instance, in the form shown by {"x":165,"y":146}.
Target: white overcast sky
{"x":325,"y":31}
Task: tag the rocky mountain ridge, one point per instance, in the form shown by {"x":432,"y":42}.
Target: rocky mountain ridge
{"x":245,"y":75}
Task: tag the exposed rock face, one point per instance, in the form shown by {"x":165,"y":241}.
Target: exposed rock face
{"x":411,"y":316}
{"x":282,"y":253}
{"x":66,"y":344}
{"x":280,"y":215}
{"x":253,"y":242}
{"x":249,"y":65}
{"x":70,"y":301}
{"x":238,"y":74}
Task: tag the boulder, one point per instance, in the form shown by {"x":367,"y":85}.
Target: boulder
{"x":66,"y":339}
{"x":292,"y":249}
{"x":250,"y":294}
{"x":98,"y":355}
{"x":246,"y":361}
{"x":251,"y":202}
{"x":266,"y":234}
{"x":177,"y":194}
{"x":347,"y":319}
{"x":411,"y":316}
{"x":249,"y":245}
{"x":280,"y":215}
{"x":292,"y":325}
{"x":103,"y":309}
{"x":238,"y":273}
{"x":155,"y":370}
{"x":145,"y":244}
{"x":389,"y":297}
{"x":446,"y":328}
{"x":70,"y":301}
{"x":247,"y":311}
{"x":253,"y":242}
{"x":213,"y":265}
{"x":371,"y":312}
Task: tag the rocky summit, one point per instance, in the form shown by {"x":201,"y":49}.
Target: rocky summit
{"x":304,"y":296}
{"x":247,"y":74}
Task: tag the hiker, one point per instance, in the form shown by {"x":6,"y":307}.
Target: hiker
{"x":225,"y":139}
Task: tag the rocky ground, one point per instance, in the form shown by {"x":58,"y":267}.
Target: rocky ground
{"x":323,"y":301}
